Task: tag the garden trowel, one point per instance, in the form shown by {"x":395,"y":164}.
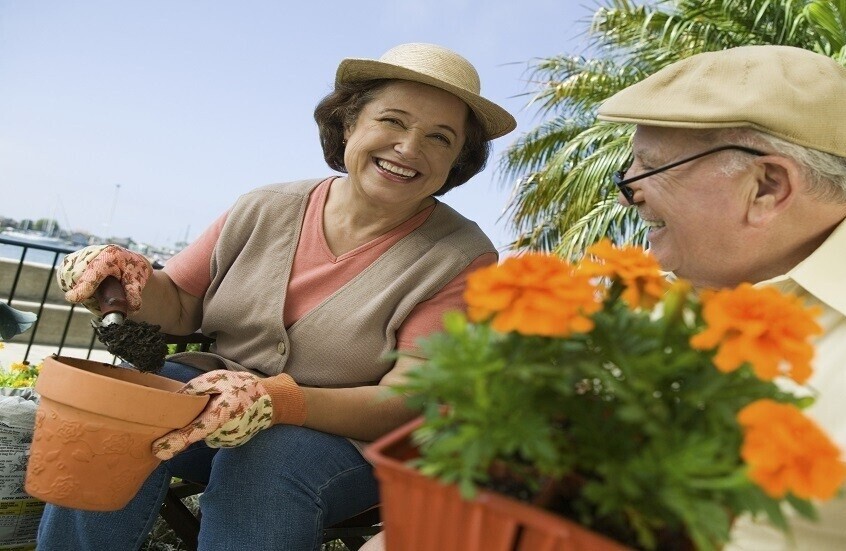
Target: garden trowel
{"x":138,"y":343}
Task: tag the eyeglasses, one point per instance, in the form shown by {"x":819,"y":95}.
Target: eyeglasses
{"x":628,"y":192}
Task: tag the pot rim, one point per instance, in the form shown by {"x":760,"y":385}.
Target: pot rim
{"x":109,"y":390}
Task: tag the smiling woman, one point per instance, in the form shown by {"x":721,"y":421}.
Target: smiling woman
{"x":399,"y":153}
{"x":310,"y":288}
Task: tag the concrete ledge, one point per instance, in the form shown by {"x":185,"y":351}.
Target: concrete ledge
{"x":51,"y":325}
{"x":56,"y":313}
{"x":11,"y":353}
{"x":31,"y":283}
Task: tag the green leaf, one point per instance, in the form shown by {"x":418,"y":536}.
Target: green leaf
{"x":803,"y":507}
{"x":455,"y":323}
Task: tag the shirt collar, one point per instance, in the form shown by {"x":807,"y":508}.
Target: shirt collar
{"x":823,"y":273}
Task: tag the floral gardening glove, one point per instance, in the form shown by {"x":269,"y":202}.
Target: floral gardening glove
{"x":240,"y":406}
{"x":82,"y":272}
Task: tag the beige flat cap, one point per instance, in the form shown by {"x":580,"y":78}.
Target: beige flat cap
{"x":791,"y":93}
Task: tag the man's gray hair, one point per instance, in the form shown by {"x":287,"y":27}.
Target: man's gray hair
{"x":826,"y":173}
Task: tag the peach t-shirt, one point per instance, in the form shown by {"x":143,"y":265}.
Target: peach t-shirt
{"x":317,"y":273}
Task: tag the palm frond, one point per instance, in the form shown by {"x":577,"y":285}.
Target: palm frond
{"x":606,"y":218}
{"x":578,"y":85}
{"x":535,"y":149}
{"x":577,"y":175}
{"x":829,"y":21}
{"x":560,"y":171}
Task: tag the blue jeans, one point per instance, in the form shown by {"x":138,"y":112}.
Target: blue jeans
{"x":276,"y":492}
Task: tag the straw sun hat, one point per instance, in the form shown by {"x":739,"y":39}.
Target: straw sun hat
{"x":436,"y":66}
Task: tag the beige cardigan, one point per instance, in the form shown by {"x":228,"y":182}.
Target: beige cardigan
{"x":346,"y":339}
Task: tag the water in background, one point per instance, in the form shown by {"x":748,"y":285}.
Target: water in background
{"x":37,"y":256}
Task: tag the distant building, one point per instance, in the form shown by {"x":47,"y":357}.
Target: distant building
{"x":79,"y":239}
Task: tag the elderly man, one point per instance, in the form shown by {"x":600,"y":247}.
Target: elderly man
{"x":739,"y":172}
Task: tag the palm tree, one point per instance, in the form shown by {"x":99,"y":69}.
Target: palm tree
{"x":563,"y":199}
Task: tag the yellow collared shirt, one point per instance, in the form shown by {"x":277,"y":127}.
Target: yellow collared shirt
{"x":819,"y":280}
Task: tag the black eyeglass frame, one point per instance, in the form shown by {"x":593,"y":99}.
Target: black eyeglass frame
{"x":623,"y":184}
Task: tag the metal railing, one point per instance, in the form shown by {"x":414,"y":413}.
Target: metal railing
{"x":49,"y":256}
{"x":46,"y":264}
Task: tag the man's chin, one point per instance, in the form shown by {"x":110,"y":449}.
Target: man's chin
{"x":661,"y":255}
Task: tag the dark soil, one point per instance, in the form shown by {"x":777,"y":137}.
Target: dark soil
{"x":138,"y":343}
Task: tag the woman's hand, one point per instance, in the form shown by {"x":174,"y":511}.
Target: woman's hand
{"x":241,"y":405}
{"x":82,"y":272}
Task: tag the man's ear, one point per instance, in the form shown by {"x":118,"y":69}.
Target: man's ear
{"x":778,"y":180}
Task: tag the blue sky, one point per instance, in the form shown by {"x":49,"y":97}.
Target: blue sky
{"x":186,"y":104}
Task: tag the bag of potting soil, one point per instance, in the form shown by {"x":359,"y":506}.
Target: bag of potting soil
{"x":19,"y":513}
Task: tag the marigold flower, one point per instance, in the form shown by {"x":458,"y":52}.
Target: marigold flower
{"x":632,"y":266}
{"x":532,"y":294}
{"x":759,"y":325}
{"x":787,"y":452}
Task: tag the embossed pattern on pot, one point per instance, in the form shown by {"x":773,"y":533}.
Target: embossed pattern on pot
{"x":94,"y":429}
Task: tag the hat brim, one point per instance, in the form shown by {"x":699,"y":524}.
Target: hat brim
{"x":495,"y":120}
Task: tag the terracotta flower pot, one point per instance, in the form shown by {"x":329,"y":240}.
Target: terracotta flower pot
{"x":422,"y":514}
{"x":94,"y":430}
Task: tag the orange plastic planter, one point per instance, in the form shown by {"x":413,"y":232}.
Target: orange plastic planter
{"x":421,"y":514}
{"x":94,"y":429}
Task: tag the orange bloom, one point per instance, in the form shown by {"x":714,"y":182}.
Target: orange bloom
{"x":787,"y":452}
{"x":762,"y":326}
{"x":532,"y":294}
{"x":632,"y":266}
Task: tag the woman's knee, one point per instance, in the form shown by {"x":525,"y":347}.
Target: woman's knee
{"x":287,"y":459}
{"x":285,"y":484}
{"x":287,"y":451}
